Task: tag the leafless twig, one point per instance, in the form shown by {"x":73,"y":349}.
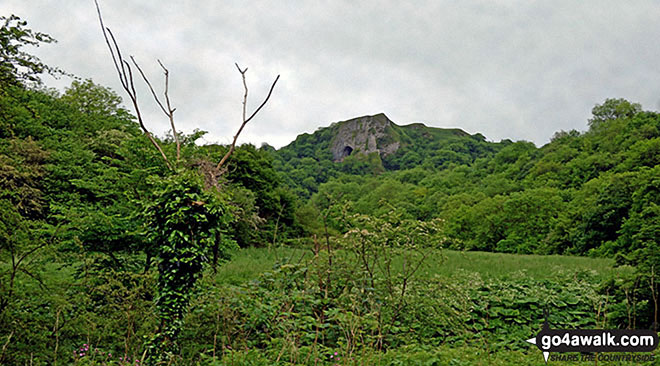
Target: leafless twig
{"x":169,"y":111}
{"x":245,"y":120}
{"x":125,"y":73}
{"x":126,"y":78}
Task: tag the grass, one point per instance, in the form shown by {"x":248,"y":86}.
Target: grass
{"x":247,"y":264}
{"x":501,"y":265}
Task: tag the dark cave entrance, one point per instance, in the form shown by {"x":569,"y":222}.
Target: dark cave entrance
{"x":346,"y":152}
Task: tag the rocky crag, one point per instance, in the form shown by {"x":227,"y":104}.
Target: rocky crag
{"x":364,"y":135}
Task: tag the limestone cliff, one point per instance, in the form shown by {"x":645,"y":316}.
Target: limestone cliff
{"x":364,"y":135}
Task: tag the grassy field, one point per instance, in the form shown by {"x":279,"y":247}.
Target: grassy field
{"x":451,"y":266}
{"x":246,"y":264}
{"x":503,"y":265}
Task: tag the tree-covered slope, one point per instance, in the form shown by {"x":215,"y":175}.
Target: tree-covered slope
{"x":372,"y":145}
{"x":584,"y":192}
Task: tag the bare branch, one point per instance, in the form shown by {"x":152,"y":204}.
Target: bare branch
{"x":130,"y":79}
{"x":265,"y":100}
{"x":4,"y":348}
{"x":125,"y":73}
{"x":126,"y":78}
{"x":41,"y":283}
{"x":169,"y":112}
{"x":146,"y":80}
{"x":245,"y":120}
{"x":120,"y":60}
{"x":245,"y":95}
{"x":107,"y":42}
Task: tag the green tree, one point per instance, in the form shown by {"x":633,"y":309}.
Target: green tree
{"x":22,"y":229}
{"x":16,"y":65}
{"x":612,"y":109}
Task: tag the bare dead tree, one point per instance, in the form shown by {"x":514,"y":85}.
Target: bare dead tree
{"x":126,"y":78}
{"x":245,"y":120}
{"x":125,"y":73}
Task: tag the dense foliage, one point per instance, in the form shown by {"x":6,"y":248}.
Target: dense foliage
{"x":16,"y":65}
{"x":583,"y":193}
{"x":307,"y":162}
{"x":88,"y":206}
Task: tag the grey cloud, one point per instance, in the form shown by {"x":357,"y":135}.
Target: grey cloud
{"x":507,"y":69}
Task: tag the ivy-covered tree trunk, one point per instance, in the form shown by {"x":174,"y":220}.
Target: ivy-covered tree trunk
{"x":183,"y":221}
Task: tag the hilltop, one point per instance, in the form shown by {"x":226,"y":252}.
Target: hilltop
{"x":375,"y":144}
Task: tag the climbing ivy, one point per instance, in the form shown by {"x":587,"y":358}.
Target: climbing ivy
{"x":184,"y":221}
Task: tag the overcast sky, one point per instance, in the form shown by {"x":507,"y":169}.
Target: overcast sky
{"x":507,"y":69}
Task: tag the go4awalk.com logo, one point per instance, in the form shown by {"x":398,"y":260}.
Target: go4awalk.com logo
{"x":595,"y":341}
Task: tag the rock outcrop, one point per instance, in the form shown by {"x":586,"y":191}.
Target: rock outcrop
{"x":364,"y":135}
